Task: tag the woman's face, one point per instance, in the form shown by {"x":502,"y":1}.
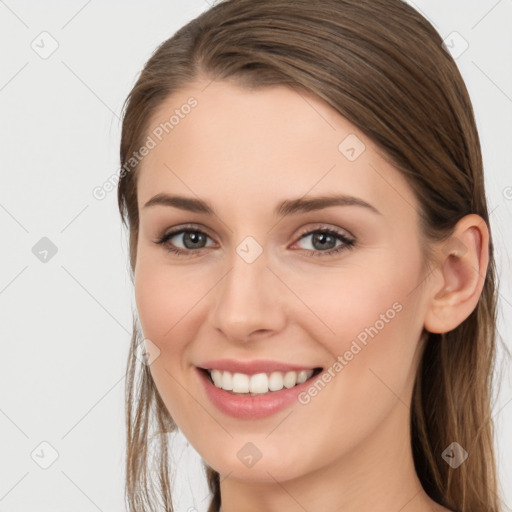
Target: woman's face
{"x":254,"y":284}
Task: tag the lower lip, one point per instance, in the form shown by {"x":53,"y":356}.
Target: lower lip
{"x":251,"y":407}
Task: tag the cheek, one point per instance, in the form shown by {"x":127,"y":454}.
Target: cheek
{"x":377,"y":323}
{"x":344,"y":303}
{"x":165,"y":299}
{"x":366,"y":316}
{"x":154,"y":304}
{"x":167,"y":309}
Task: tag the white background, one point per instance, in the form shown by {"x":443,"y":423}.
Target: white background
{"x":65,"y":324}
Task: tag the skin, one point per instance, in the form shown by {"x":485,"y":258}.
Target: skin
{"x":244,"y":152}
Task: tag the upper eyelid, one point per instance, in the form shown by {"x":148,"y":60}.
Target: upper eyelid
{"x":322,"y":227}
{"x":183,"y":229}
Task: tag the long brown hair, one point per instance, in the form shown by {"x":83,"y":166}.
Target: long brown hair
{"x":383,"y":67}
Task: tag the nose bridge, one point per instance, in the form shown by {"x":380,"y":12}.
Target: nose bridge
{"x":247,"y":299}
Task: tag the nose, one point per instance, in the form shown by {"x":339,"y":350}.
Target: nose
{"x":249,"y":301}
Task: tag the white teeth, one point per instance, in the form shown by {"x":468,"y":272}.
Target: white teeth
{"x":275,"y":383}
{"x":227,"y":381}
{"x":302,"y":376}
{"x":216,"y":377}
{"x":290,"y":379}
{"x":240,"y":383}
{"x":258,"y":383}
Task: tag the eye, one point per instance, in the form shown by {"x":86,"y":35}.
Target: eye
{"x":324,"y":238}
{"x":192,"y":238}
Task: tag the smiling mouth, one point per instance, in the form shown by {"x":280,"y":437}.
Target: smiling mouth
{"x":259,"y":383}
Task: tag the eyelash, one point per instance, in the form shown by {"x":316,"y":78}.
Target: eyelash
{"x":348,"y":243}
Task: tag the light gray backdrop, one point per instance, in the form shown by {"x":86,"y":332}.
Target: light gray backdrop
{"x":65,"y":293}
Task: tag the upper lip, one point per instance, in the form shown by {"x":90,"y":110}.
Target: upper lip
{"x":252,"y":367}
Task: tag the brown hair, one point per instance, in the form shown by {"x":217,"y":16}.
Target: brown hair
{"x":383,"y":67}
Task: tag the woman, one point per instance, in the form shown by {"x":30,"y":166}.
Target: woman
{"x":312,"y":259}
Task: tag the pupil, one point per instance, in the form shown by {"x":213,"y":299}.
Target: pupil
{"x":194,"y":236}
{"x":322,"y":238}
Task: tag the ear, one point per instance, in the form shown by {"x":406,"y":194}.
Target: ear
{"x":463,"y":261}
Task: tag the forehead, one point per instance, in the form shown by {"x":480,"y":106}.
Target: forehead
{"x":274,"y":142}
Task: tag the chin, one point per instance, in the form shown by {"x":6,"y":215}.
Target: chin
{"x":267,"y":469}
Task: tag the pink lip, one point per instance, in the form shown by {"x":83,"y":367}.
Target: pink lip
{"x":252,"y":367}
{"x":251,"y":407}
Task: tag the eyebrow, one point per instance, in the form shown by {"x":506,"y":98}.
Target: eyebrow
{"x":287,"y":207}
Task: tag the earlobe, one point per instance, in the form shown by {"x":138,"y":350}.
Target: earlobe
{"x":463,"y":262}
